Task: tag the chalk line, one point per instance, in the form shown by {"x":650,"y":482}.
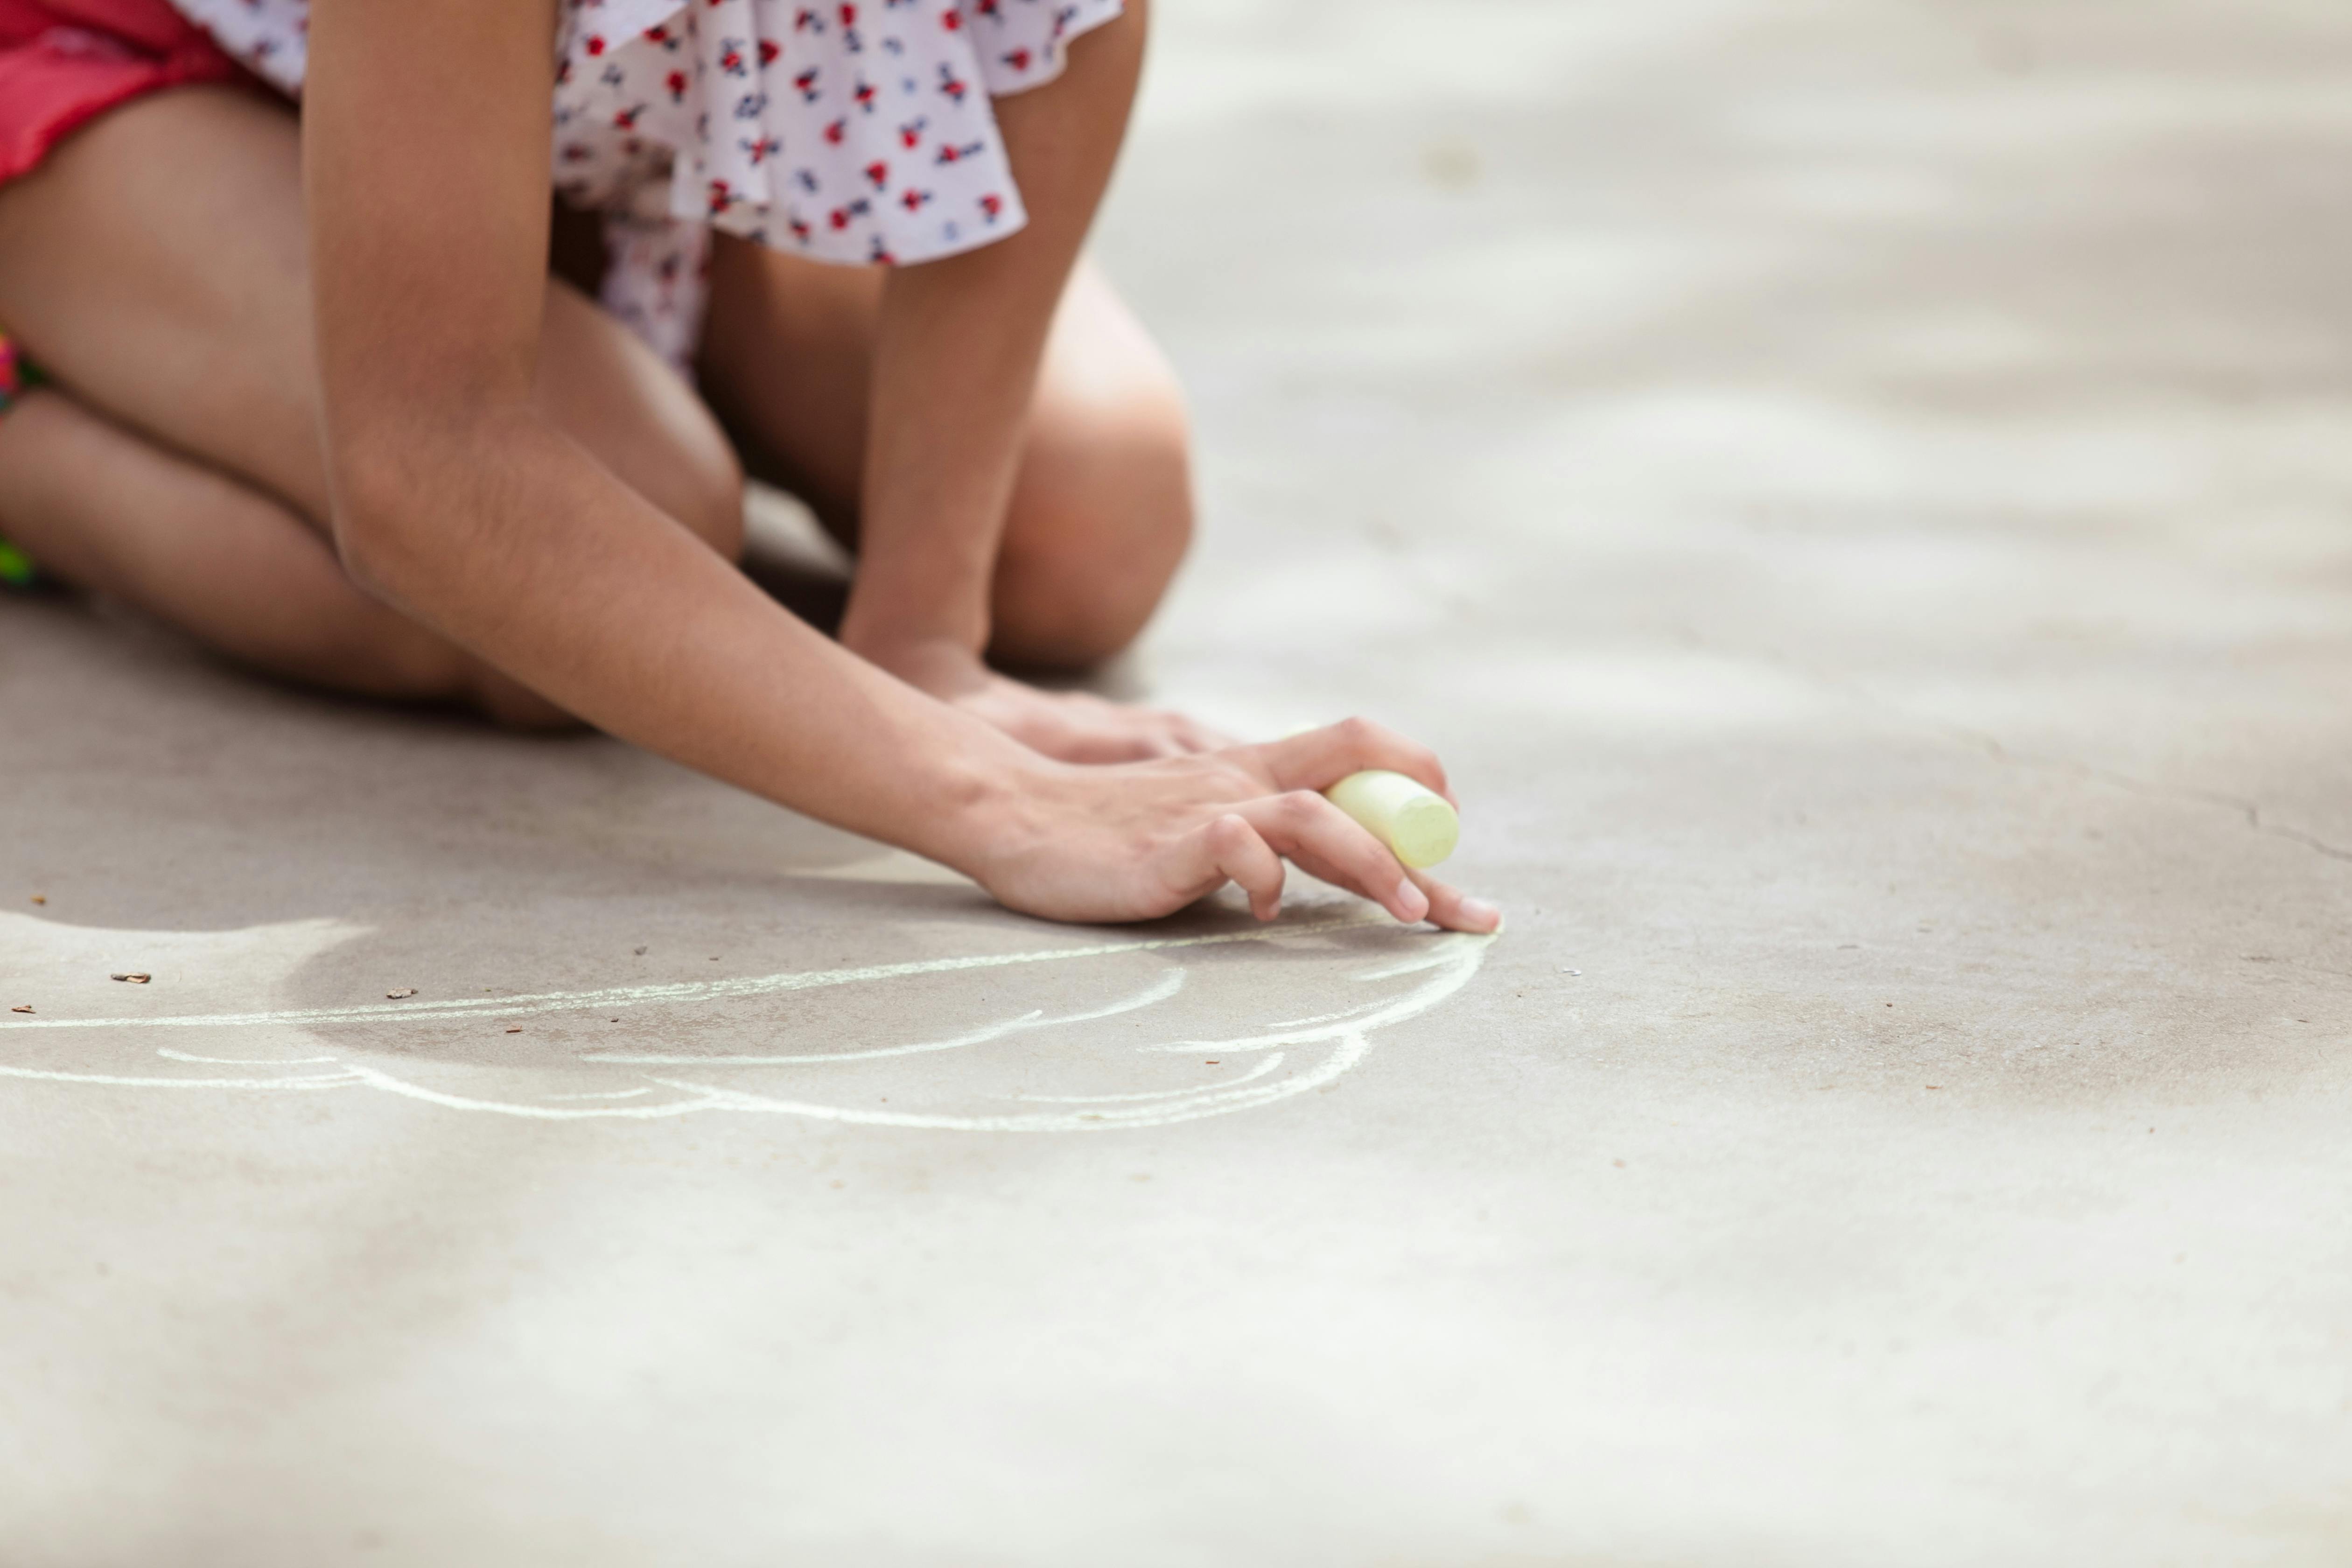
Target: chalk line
{"x":686,"y":991}
{"x":1373,"y":1016}
{"x":342,"y":1080}
{"x":1454,"y":958}
{"x":1349,"y":1049}
{"x":1463,"y":954}
{"x":242,"y":1061}
{"x":1258,"y":1071}
{"x":1034,"y":1018}
{"x":391,"y":1085}
{"x":614,"y":1055}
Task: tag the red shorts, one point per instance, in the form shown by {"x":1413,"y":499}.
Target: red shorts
{"x":66,"y":61}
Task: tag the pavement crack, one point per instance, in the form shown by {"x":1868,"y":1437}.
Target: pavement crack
{"x":2250,"y":811}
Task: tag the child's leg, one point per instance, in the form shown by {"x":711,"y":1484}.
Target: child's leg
{"x":156,"y":265}
{"x":99,"y":507}
{"x":1102,"y":510}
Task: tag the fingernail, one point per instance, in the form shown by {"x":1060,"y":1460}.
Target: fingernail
{"x":1412,"y":900}
{"x":1481,"y":913}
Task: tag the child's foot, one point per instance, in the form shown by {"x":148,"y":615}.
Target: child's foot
{"x":16,"y":566}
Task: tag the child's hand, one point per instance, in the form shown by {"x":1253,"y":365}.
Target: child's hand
{"x":1067,"y":726}
{"x":1079,"y":727}
{"x":1138,"y":841}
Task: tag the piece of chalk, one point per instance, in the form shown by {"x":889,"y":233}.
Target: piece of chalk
{"x":1413,"y":821}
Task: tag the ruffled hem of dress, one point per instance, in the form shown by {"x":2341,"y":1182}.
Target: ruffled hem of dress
{"x":599,"y":27}
{"x":1083,"y":19}
{"x":268,"y":38}
{"x":852,"y":228}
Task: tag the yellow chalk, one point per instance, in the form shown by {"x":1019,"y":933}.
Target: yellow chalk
{"x":1412,"y":820}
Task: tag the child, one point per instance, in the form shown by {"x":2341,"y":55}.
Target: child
{"x":313,"y":396}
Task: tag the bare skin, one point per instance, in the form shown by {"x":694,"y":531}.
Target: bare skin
{"x":157,"y":265}
{"x":1101,"y":508}
{"x":550,"y":532}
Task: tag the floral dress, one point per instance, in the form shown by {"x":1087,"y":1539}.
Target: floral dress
{"x":857,"y":133}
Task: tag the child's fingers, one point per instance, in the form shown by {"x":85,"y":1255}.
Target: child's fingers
{"x":1097,"y":751}
{"x":1177,"y":736}
{"x":1455,"y":910}
{"x":1230,"y":850}
{"x":1095,"y":730}
{"x":1321,"y":758}
{"x":1100,"y":735}
{"x":1329,"y":843}
{"x":1195,"y":737}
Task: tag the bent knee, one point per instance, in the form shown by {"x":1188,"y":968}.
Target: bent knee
{"x":381,"y":654}
{"x":419,"y":666}
{"x":689,"y":471}
{"x":702,"y":487}
{"x":1101,"y":518}
{"x":512,"y":705}
{"x":613,"y":395}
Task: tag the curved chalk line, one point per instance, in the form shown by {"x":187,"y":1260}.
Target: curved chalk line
{"x":1258,"y":1071}
{"x":685,"y":991}
{"x":241,"y":1061}
{"x":1450,"y":963}
{"x":342,"y":1080}
{"x":1350,"y":1042}
{"x":1034,"y":1018}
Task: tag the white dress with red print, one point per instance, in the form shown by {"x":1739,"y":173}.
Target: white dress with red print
{"x":857,"y":133}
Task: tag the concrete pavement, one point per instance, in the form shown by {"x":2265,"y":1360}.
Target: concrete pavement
{"x":1857,"y":494}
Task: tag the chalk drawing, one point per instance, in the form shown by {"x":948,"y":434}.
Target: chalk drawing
{"x":1255,"y":1066}
{"x":168,"y":1053}
{"x":1263,"y":1068}
{"x":1033,"y":1019}
{"x":684,"y":990}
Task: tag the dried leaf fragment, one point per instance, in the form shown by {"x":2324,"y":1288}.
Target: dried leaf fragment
{"x":41,"y":898}
{"x":396,"y":996}
{"x":515,"y":1031}
{"x":134,"y":978}
{"x":25,"y":1009}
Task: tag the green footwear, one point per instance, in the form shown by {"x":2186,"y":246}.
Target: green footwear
{"x":17,"y":374}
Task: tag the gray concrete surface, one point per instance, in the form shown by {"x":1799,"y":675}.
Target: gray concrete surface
{"x":1859,"y":493}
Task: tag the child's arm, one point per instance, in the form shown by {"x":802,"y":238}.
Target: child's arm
{"x":425,"y":131}
{"x":955,"y":367}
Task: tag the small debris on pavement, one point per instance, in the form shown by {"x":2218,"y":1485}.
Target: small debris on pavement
{"x":396,"y":996}
{"x":41,"y":898}
{"x":640,"y":953}
{"x":134,"y":978}
{"x":1571,"y":971}
{"x":516,"y":1030}
{"x":25,"y":1009}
